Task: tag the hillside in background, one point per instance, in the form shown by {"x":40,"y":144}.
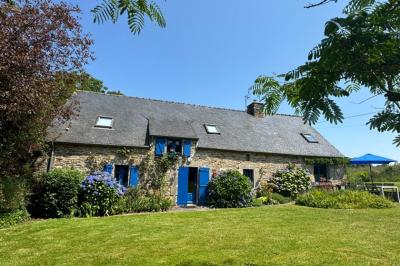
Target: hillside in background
{"x":387,"y":173}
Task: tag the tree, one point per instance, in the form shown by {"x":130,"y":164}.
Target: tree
{"x":39,"y":41}
{"x":85,"y":82}
{"x":136,"y":11}
{"x":361,"y":51}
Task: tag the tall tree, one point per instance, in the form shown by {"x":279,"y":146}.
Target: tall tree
{"x":39,"y":41}
{"x":360,"y":50}
{"x":85,"y":82}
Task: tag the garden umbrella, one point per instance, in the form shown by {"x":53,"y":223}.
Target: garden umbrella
{"x":370,"y":159}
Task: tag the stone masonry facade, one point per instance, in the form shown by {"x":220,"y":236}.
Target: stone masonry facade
{"x":263,"y":165}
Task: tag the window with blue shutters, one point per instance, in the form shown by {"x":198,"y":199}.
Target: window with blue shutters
{"x":160,"y":146}
{"x":187,"y":144}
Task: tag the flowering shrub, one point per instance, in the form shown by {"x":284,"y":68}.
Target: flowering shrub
{"x":229,"y":190}
{"x":291,"y":181}
{"x":100,"y":193}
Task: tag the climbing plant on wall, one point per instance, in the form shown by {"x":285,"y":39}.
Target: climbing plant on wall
{"x":328,"y":161}
{"x":153,"y":172}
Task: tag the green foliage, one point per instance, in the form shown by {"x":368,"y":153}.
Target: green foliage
{"x":13,"y":217}
{"x":265,"y":196}
{"x":153,"y":172}
{"x":290,"y":181}
{"x":55,"y":193}
{"x":382,"y":173}
{"x":124,"y":152}
{"x":280,"y":198}
{"x":137,"y":201}
{"x":229,"y":189}
{"x":99,"y":195}
{"x":258,"y":202}
{"x":85,"y":82}
{"x":136,"y":10}
{"x":13,"y":192}
{"x":361,"y":49}
{"x":263,"y":190}
{"x":347,"y":199}
{"x":327,"y":161}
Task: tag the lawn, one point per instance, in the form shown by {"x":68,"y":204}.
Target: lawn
{"x":285,"y":234}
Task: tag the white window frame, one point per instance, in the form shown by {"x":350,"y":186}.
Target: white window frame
{"x":306,"y":136}
{"x":212,"y":131}
{"x":104,"y":126}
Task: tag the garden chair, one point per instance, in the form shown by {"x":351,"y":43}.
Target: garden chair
{"x":372,"y":188}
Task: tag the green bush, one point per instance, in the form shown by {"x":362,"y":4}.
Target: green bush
{"x":56,"y":193}
{"x":13,"y":194}
{"x":290,"y":181}
{"x":136,"y":200}
{"x":347,"y":199}
{"x":258,"y":202}
{"x":263,"y":190}
{"x":270,"y":199}
{"x":13,"y":217}
{"x":280,"y":199}
{"x":229,"y":190}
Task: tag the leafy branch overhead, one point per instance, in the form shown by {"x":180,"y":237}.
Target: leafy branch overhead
{"x":136,"y":11}
{"x":359,"y":51}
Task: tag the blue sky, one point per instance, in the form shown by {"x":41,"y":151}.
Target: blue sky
{"x":211,"y":52}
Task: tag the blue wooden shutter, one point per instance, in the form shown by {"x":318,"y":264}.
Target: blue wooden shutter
{"x":108,"y":168}
{"x":133,"y":180}
{"x":183,"y":178}
{"x":186,"y":147}
{"x":160,"y":144}
{"x":204,"y":175}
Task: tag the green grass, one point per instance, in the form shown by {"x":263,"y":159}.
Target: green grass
{"x":284,"y":234}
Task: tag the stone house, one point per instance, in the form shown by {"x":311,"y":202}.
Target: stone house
{"x":208,"y":140}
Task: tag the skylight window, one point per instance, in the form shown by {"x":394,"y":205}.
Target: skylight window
{"x":212,"y":129}
{"x":309,"y":137}
{"x":105,"y":122}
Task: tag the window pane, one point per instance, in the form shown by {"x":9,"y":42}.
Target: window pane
{"x":309,"y":137}
{"x":212,"y":129}
{"x":104,"y":122}
{"x":250,"y":174}
{"x":174,"y":146}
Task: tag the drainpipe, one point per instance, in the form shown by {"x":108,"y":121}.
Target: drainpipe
{"x":51,"y":158}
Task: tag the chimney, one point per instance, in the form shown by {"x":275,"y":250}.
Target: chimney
{"x":256,"y":109}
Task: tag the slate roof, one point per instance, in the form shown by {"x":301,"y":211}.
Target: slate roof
{"x":137,"y":118}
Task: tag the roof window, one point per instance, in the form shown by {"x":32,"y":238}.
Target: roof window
{"x":104,"y":122}
{"x":211,"y":129}
{"x":309,"y":137}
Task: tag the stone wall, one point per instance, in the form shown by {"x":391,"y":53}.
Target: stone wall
{"x":66,"y":155}
{"x":263,"y":165}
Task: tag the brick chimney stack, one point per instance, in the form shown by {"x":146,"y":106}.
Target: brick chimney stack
{"x":256,"y":109}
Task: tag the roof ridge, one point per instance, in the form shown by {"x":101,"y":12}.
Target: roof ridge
{"x":174,"y":102}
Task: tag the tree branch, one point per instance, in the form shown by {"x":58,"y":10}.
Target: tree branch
{"x":322,"y":2}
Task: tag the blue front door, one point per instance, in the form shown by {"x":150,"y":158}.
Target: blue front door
{"x":183,"y":179}
{"x":192,"y":185}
